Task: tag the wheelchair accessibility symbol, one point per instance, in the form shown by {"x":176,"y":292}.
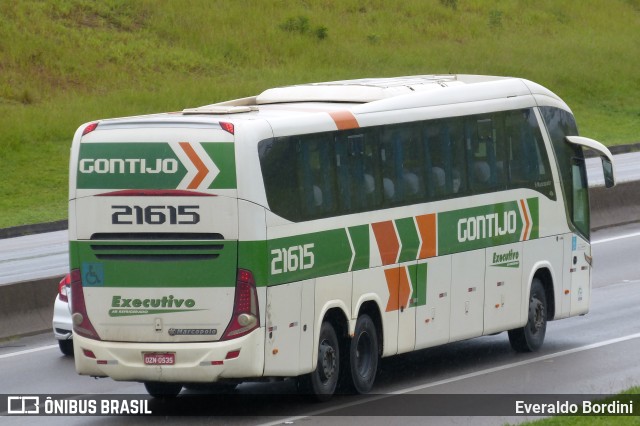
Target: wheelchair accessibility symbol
{"x":92,"y":274}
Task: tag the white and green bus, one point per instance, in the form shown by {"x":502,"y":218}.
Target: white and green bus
{"x":310,"y":230}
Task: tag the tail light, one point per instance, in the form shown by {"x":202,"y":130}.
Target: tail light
{"x":63,"y":288}
{"x":81,"y":323}
{"x":228,"y":127}
{"x":90,"y":128}
{"x":246,"y":315}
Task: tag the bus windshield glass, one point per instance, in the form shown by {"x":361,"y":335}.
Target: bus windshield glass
{"x":571,"y":164}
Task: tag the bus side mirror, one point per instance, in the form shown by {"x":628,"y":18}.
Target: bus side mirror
{"x":605,"y":156}
{"x":607,"y":169}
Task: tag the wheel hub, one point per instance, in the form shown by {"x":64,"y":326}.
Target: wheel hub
{"x":537,"y":315}
{"x":328,"y":360}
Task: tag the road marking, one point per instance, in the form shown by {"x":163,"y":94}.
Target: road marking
{"x":458,"y":378}
{"x":519,"y":364}
{"x":28,"y":351}
{"x":621,"y":237}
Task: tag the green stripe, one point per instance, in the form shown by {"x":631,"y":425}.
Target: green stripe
{"x":327,"y":253}
{"x":533,"y":209}
{"x":307,"y":256}
{"x":418,"y":279}
{"x":223,"y":156}
{"x":137,"y":267}
{"x":360,"y":240}
{"x":480,"y":227}
{"x":127,"y":175}
{"x":252,"y":256}
{"x":119,"y":165}
{"x":408,"y":238}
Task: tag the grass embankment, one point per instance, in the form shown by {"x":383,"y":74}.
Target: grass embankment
{"x":66,"y":62}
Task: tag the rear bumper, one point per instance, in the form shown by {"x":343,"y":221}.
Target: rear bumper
{"x":195,"y":362}
{"x":61,"y":323}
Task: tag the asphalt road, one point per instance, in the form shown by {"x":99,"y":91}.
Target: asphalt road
{"x":592,"y":354}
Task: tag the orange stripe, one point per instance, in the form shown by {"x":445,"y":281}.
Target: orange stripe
{"x":387,"y":239}
{"x":427,"y":228}
{"x":393,"y":283}
{"x":344,"y":120}
{"x":526,"y":219}
{"x":404,"y":290}
{"x":399,"y":288}
{"x":202,"y":169}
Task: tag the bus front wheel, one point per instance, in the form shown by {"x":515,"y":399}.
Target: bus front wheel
{"x":530,"y":337}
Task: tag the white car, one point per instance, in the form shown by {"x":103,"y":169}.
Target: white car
{"x":62,"y":326}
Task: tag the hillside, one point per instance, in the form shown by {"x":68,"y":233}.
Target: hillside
{"x":65,"y":62}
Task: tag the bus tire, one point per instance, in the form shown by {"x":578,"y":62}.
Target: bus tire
{"x":163,"y":389}
{"x":363,"y":354}
{"x":530,"y":337}
{"x":321,"y":383}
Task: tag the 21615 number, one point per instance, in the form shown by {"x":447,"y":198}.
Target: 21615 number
{"x":292,"y":259}
{"x":155,"y":215}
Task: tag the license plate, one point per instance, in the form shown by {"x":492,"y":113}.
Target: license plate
{"x":158,"y":358}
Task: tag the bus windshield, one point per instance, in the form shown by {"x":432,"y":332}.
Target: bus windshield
{"x":571,"y":164}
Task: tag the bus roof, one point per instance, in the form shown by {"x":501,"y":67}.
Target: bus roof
{"x":379,"y":94}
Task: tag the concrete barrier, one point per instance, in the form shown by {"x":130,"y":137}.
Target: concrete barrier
{"x":615,"y":206}
{"x":27,"y":307}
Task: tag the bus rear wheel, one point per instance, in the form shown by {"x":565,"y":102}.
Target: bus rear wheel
{"x":321,"y":383}
{"x":530,"y":337}
{"x":363,"y":354}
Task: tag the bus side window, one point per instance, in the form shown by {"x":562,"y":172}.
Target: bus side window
{"x":401,"y":169}
{"x":359,"y":186}
{"x":412,"y":167}
{"x":388,"y":157}
{"x":371,"y":185}
{"x":455,"y":153}
{"x":528,"y":160}
{"x":343,"y":173}
{"x":278,"y":158}
{"x":436,"y":141}
{"x":487,"y":168}
{"x":429,"y":141}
